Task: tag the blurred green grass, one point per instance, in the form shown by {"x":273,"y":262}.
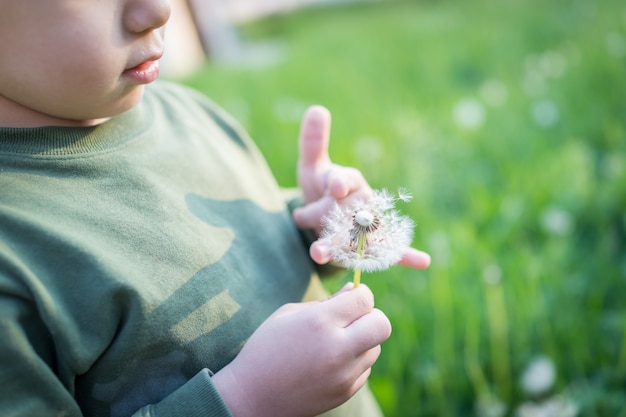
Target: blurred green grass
{"x":507,"y":122}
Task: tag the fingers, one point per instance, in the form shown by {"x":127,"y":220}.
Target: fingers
{"x":363,"y":369}
{"x":414,"y":258}
{"x":365,"y":327}
{"x":314,"y":137}
{"x":347,"y":306}
{"x":342,"y":181}
{"x":361,"y":380}
{"x":320,"y":251}
{"x":341,"y":184}
{"x":292,"y":308}
{"x":346,"y":287}
{"x":369,"y":330}
{"x":308,"y":217}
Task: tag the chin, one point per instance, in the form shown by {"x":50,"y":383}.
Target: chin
{"x":123,"y":105}
{"x":131,"y":100}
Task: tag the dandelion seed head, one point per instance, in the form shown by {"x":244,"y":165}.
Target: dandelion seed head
{"x":387,"y":233}
{"x":363,"y":223}
{"x":364,"y":218}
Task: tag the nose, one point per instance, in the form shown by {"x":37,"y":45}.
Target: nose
{"x":145,"y":15}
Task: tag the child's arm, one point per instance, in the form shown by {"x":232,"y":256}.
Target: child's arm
{"x":324,"y":183}
{"x":306,"y":358}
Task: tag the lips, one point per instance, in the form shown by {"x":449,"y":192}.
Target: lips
{"x":149,"y":56}
{"x":146,"y":71}
{"x":142,"y":67}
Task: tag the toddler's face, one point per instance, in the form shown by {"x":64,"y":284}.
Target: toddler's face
{"x":66,"y":62}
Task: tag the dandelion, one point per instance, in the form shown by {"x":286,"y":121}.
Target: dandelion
{"x":489,"y":405}
{"x":545,"y":113}
{"x":469,"y":113}
{"x":368,"y":235}
{"x":539,"y":376}
{"x":557,"y":221}
{"x":558,"y":406}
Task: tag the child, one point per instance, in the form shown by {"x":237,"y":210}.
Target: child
{"x":148,"y":263}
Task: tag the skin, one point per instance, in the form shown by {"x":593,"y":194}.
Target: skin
{"x":64,"y":62}
{"x":328,"y":347}
{"x":323,"y":183}
{"x":324,"y":356}
{"x":81,"y":62}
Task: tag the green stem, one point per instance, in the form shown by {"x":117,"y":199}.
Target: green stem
{"x":357,"y":277}
{"x":359,"y":250}
{"x":499,"y":334}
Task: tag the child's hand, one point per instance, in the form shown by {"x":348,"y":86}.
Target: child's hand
{"x":324,"y":183}
{"x":306,"y":358}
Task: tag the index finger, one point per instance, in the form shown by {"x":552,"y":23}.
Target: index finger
{"x":314,"y":137}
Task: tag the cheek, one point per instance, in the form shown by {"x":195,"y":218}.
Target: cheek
{"x":67,"y":78}
{"x":74,"y":82}
{"x":78,"y":46}
{"x":64,"y":70}
{"x":87,"y":61}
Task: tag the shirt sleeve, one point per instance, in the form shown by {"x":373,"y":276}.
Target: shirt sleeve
{"x":197,"y":398}
{"x":29,"y":380}
{"x":31,"y":385}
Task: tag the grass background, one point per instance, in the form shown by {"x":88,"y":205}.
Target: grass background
{"x":507,"y":122}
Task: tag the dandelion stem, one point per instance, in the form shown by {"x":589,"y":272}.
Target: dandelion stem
{"x":359,"y":250}
{"x":357,"y":277}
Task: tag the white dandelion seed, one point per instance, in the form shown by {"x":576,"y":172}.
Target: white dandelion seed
{"x":368,"y":235}
{"x":404,"y":195}
{"x":489,"y":405}
{"x":558,"y":406}
{"x":469,"y":114}
{"x":539,"y":377}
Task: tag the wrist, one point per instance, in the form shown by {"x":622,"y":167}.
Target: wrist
{"x":233,"y":395}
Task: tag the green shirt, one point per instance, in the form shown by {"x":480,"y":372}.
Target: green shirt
{"x":136,"y":257}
